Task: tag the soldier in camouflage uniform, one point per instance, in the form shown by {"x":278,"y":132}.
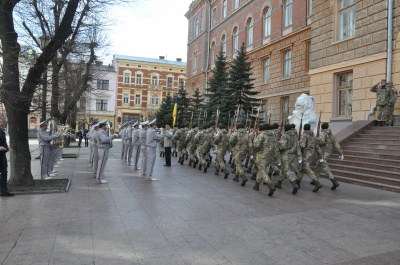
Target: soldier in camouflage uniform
{"x":276,"y":154}
{"x":382,"y":101}
{"x":263,"y":151}
{"x":191,"y":145}
{"x":161,"y":147}
{"x":393,"y":94}
{"x":240,"y":143}
{"x":203,"y":139}
{"x":327,"y":142}
{"x":289,"y":148}
{"x":180,"y":137}
{"x":309,"y":144}
{"x":251,"y":154}
{"x":221,"y":141}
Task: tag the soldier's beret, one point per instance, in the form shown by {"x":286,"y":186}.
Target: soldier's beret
{"x":264,"y":127}
{"x":275,"y":126}
{"x":293,"y":126}
{"x":325,"y":125}
{"x":307,"y":127}
{"x":240,"y":126}
{"x":288,"y":127}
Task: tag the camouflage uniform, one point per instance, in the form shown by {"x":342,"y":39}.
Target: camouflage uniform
{"x":239,"y":140}
{"x":276,"y":154}
{"x":221,"y":141}
{"x":264,"y":148}
{"x":191,"y":146}
{"x":203,"y":139}
{"x":250,"y":159}
{"x":382,"y":102}
{"x":161,"y":146}
{"x":327,"y":142}
{"x":392,"y":101}
{"x":179,"y":137}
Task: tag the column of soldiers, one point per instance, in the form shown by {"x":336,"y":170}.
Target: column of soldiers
{"x":386,"y":96}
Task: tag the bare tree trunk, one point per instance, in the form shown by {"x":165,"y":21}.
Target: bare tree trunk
{"x":55,"y":89}
{"x":44,"y":96}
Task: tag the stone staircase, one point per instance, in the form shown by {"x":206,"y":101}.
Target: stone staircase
{"x":371,"y":158}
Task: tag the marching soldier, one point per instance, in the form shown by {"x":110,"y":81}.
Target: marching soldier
{"x":104,"y":141}
{"x":382,"y":101}
{"x":221,"y":141}
{"x":151,"y":142}
{"x":264,"y":148}
{"x":203,"y":139}
{"x":143,"y":146}
{"x":136,"y":146}
{"x":328,"y":143}
{"x":180,"y":137}
{"x":44,"y":142}
{"x":239,"y":140}
{"x":393,"y":94}
{"x":191,"y":146}
{"x":309,"y":144}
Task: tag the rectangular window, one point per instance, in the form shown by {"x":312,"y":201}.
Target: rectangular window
{"x":266,"y":71}
{"x":126,"y":98}
{"x":345,"y":94}
{"x":129,"y":117}
{"x":181,"y":83}
{"x":127,"y":78}
{"x":264,"y":115}
{"x":138,"y":79}
{"x":214,"y":17}
{"x":224,"y":8}
{"x":308,"y":55}
{"x":287,"y":15}
{"x":137,"y":99}
{"x":154,"y":100}
{"x":235,"y":4}
{"x":101,"y":104}
{"x":103,"y":84}
{"x":285,"y":108}
{"x":347,"y":18}
{"x":287,"y":64}
{"x":169,"y":81}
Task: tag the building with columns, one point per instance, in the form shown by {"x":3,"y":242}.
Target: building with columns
{"x":143,"y":83}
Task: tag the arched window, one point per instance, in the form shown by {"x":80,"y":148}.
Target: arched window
{"x":235,"y":39}
{"x":267,"y":22}
{"x":249,"y":26}
{"x":154,"y":100}
{"x":196,"y":27}
{"x":154,"y":80}
{"x":195,"y":60}
{"x":287,"y":15}
{"x":212,"y":53}
{"x":223,"y":44}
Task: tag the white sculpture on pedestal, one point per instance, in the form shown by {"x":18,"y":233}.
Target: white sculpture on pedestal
{"x":304,"y":106}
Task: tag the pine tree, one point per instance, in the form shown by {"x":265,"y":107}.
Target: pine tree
{"x":183,"y":116}
{"x":196,"y":104}
{"x":241,"y":85}
{"x":164,"y":113}
{"x":218,"y":93}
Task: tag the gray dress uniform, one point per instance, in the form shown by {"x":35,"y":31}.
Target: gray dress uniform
{"x":143,"y":148}
{"x":135,"y":148}
{"x":104,"y":141}
{"x":95,"y":152}
{"x":151,"y":141}
{"x":122,"y":133}
{"x":89,"y":136}
{"x":44,"y":143}
{"x":128,"y":146}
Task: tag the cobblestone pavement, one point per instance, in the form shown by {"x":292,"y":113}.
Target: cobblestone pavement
{"x":189,"y":217}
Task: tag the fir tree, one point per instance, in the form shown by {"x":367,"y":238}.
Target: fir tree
{"x":196,"y":104}
{"x":241,"y":85}
{"x":164,"y":113}
{"x":183,"y":116}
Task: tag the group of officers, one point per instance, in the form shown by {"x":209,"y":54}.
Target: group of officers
{"x":264,"y":151}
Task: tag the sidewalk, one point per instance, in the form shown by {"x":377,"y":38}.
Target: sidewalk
{"x":189,"y":217}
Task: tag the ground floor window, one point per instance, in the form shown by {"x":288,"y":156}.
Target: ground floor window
{"x":345,"y":94}
{"x":130,"y":117}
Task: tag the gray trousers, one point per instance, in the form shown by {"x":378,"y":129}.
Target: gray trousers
{"x":135,"y":155}
{"x":52,"y":160}
{"x":151,"y":159}
{"x":103,"y":157}
{"x":126,"y":146}
{"x":44,"y":160}
{"x":123,"y":149}
{"x":129,"y":148}
{"x":144,"y":159}
{"x":95,"y":160}
{"x":91,"y":152}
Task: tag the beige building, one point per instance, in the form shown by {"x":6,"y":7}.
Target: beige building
{"x":349,"y":55}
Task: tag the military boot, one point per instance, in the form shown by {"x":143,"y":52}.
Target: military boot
{"x":278,"y":184}
{"x":271,"y":189}
{"x":226,"y":174}
{"x":256,"y":186}
{"x":200,"y":166}
{"x":205,"y":169}
{"x":243,"y":181}
{"x":182,"y":160}
{"x":248,"y":170}
{"x":298,"y":182}
{"x":254,"y":176}
{"x":317,"y":185}
{"x":190,"y":163}
{"x":295,"y":187}
{"x":216,"y":171}
{"x":232,"y":165}
{"x":236,"y":178}
{"x":335,"y":184}
{"x":312,"y":182}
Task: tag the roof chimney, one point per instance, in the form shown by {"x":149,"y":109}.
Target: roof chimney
{"x":161,"y":57}
{"x":179,"y":59}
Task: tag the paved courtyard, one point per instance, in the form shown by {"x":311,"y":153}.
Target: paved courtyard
{"x":188,"y":217}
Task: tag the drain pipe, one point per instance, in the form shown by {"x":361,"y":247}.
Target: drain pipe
{"x":389,"y":53}
{"x":208,"y":41}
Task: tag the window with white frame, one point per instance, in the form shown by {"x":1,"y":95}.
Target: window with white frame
{"x":137,"y":99}
{"x":224,"y":8}
{"x":347,"y":18}
{"x":101,"y":104}
{"x":103,"y":84}
{"x":127,"y":78}
{"x":235,"y":39}
{"x":287,"y":63}
{"x":126,"y":98}
{"x":154,"y":99}
{"x":138,"y":79}
{"x":195,"y":61}
{"x":181,"y":82}
{"x":267,"y":22}
{"x":285,"y":108}
{"x":196,"y":27}
{"x":249,"y":28}
{"x":266,"y":71}
{"x":154,"y":80}
{"x":345,"y":95}
{"x":170,"y":81}
{"x":214,"y":17}
{"x":264,"y":111}
{"x":287,"y":13}
{"x":223,"y":43}
{"x":235,"y":4}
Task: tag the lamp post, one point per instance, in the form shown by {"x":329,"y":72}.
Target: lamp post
{"x":43,"y":42}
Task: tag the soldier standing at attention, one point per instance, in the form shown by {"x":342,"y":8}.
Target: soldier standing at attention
{"x":135,"y":146}
{"x":151,"y":142}
{"x":327,"y":142}
{"x":123,"y":138}
{"x":89,"y":136}
{"x":143,"y":146}
{"x":263,"y":150}
{"x":309,"y":144}
{"x":95,"y":149}
{"x":129,"y":146}
{"x":221,"y":141}
{"x":239,"y":140}
{"x":44,"y":143}
{"x":382,"y":101}
{"x":103,"y":141}
{"x":168,"y":144}
{"x":393,"y":94}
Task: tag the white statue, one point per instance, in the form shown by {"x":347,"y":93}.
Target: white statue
{"x":304,"y":107}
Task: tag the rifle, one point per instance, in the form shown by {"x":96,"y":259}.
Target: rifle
{"x":301,"y":126}
{"x":319,"y":124}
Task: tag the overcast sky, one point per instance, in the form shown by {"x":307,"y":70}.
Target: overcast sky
{"x":150,"y":28}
